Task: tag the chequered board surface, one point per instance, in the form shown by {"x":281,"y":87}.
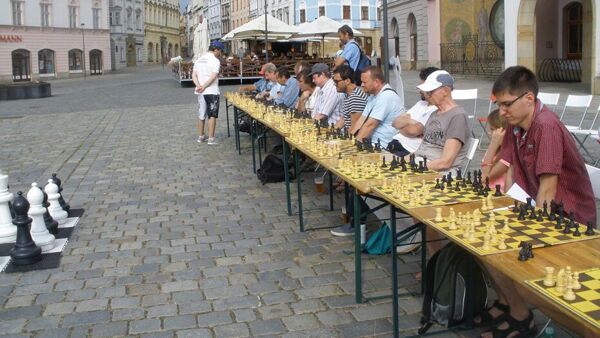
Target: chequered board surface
{"x":367,"y":172}
{"x":587,"y":299}
{"x":537,"y":233}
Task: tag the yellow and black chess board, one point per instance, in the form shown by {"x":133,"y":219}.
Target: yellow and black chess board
{"x":587,"y":299}
{"x":537,"y":233}
{"x":368,"y":167}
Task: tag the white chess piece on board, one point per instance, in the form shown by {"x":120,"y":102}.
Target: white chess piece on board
{"x":8,"y":231}
{"x":55,"y":210}
{"x":39,"y":232}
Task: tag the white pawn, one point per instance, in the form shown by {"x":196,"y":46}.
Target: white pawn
{"x":8,"y":231}
{"x":54,"y":209}
{"x":39,"y":232}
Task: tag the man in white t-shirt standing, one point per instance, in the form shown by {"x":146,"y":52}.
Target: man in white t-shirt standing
{"x":206,"y":79}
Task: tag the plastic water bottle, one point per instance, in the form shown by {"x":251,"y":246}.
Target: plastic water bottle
{"x":548,"y":332}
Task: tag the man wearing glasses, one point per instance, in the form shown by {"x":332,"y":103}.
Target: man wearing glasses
{"x":355,"y":101}
{"x":329,"y":101}
{"x":542,"y":158}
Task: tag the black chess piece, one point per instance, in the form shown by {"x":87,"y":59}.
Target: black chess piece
{"x":516,"y":207}
{"x":444,"y":179}
{"x":469,"y":177}
{"x":576,"y":233}
{"x":558,"y":225}
{"x":532,"y":215}
{"x":459,"y":174}
{"x":498,"y":192}
{"x":487,"y":184}
{"x":530,"y":250}
{"x":567,"y":229}
{"x":457,"y":187}
{"x":383,"y":164}
{"x":425,"y":163}
{"x":545,"y":209}
{"x":51,"y":223}
{"x":540,"y":216}
{"x":421,"y":167}
{"x":523,"y":254}
{"x":464,"y":183}
{"x":437,"y":183}
{"x":529,"y":205}
{"x":522,"y":214}
{"x":403,"y":165}
{"x":25,"y":251}
{"x":552,"y":216}
{"x":589,"y":231}
{"x":449,"y":178}
{"x":340,"y":156}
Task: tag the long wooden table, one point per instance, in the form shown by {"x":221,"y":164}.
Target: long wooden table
{"x":579,"y":255}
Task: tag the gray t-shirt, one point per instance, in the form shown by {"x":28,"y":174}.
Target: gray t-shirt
{"x":452,"y":124}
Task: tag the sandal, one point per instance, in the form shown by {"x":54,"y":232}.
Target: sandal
{"x":488,"y":320}
{"x":524,"y":328}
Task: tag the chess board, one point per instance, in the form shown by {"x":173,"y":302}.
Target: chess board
{"x":587,"y":299}
{"x":539,"y":234}
{"x":370,"y":169}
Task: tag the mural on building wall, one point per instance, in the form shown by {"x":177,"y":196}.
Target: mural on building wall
{"x":463,"y":17}
{"x":455,"y":29}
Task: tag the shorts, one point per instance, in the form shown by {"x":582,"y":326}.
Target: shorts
{"x":208,"y":106}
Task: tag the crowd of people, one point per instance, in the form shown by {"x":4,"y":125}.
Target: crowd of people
{"x":529,"y":145}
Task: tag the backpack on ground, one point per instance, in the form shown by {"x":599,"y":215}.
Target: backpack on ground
{"x":272,"y":170}
{"x":363,"y":63}
{"x":380,"y":242}
{"x":455,"y":289}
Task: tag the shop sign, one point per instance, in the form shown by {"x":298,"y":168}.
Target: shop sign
{"x":11,"y":38}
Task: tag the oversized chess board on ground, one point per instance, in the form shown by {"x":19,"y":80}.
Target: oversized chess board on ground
{"x":538,"y":233}
{"x":587,"y":299}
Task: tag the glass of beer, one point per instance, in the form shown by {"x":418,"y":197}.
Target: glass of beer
{"x":319,"y":187}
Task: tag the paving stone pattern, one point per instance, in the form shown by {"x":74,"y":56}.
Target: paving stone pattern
{"x":179,"y":239}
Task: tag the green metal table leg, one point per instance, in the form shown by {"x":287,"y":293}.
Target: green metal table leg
{"x":394,"y":271}
{"x":299,"y":188}
{"x":357,"y":249}
{"x":258,"y":140}
{"x":252,"y":130}
{"x":287,"y":176}
{"x":236,"y":127}
{"x":423,"y":258}
{"x":227,"y":116}
{"x":330,"y":191}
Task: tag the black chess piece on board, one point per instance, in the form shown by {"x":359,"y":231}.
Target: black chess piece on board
{"x":25,"y":251}
{"x":51,"y":223}
{"x":497,"y":193}
{"x":589,"y":231}
{"x":523,"y":254}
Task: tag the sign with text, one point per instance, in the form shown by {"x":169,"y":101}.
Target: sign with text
{"x":11,"y":38}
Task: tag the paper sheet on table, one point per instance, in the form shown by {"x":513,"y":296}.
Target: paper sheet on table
{"x":519,"y":194}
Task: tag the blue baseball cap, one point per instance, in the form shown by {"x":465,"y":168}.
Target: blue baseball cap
{"x":217,"y":44}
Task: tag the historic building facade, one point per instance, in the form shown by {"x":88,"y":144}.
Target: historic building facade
{"x":49,"y":39}
{"x":161,"y":30}
{"x":126,"y":19}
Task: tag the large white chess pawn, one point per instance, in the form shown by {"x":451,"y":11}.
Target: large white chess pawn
{"x":8,"y":231}
{"x":55,"y":209}
{"x":39,"y":232}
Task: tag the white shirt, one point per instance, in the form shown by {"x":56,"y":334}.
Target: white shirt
{"x":420,"y":112}
{"x":329,"y":102}
{"x":309,"y":105}
{"x":205,"y":67}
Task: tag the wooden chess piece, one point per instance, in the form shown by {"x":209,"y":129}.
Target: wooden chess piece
{"x":505,"y":228}
{"x":560,"y":282}
{"x":576,"y":283}
{"x":549,"y":278}
{"x":501,"y":244}
{"x":25,"y":251}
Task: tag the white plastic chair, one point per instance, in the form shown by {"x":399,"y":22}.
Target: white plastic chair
{"x":586,"y":133}
{"x":549,"y":99}
{"x":594,"y":174}
{"x":465,"y":95}
{"x":576,"y":101}
{"x":473,"y":143}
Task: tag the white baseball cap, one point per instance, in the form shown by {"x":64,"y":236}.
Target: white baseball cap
{"x":436,"y":80}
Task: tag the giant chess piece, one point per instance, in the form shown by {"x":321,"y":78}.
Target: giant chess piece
{"x":51,"y":224}
{"x":39,"y":233}
{"x":55,"y":210}
{"x":25,"y":251}
{"x":63,"y":204}
{"x":8,"y":232}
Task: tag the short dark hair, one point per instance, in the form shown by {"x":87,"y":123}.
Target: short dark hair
{"x":346,"y":29}
{"x":283,"y":71}
{"x":516,"y":80}
{"x":376,"y":73}
{"x":346,"y":72}
{"x":425,"y":72}
{"x":305,"y":77}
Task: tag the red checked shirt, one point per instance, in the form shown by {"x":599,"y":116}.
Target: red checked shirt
{"x":548,"y":148}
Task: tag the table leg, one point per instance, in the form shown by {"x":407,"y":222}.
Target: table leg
{"x":252,"y":129}
{"x":236,"y":127}
{"x":357,"y":249}
{"x":258,"y":140}
{"x":227,"y":116}
{"x":287,"y":176}
{"x":394,"y":272}
{"x":423,"y":258}
{"x":299,"y":188}
{"x":330,"y":191}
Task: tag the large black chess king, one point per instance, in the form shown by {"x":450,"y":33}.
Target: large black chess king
{"x":25,"y":251}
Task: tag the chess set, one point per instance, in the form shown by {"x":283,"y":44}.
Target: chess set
{"x":361,"y":168}
{"x":34,"y":229}
{"x":404,"y":192}
{"x":579,"y":292}
{"x":520,"y":228}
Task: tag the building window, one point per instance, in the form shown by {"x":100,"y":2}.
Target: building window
{"x":364,"y":12}
{"x":20,"y":65}
{"x":95,"y":62}
{"x":73,"y":16}
{"x":129,"y":19}
{"x":379,"y":11}
{"x":17,"y":13}
{"x":117,"y":17}
{"x":45,"y":15}
{"x":302,"y":15}
{"x":75,"y":60}
{"x":321,"y":10}
{"x":346,"y":12}
{"x":46,"y":62}
{"x":138,"y":20}
{"x":96,"y":17}
{"x":150,"y":51}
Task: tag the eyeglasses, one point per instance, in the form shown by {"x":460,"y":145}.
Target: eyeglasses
{"x":337,"y":81}
{"x":507,"y":105}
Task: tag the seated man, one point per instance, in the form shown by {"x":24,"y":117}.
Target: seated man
{"x":329,"y":102}
{"x":447,"y":130}
{"x":309,"y":89}
{"x":543,"y":159}
{"x":411,"y":124}
{"x":289,"y":95}
{"x":260,"y":85}
{"x":356,"y":99}
{"x":271,"y":76}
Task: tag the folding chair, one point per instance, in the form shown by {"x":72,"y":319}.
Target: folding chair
{"x":483,"y":120}
{"x":464,"y":95}
{"x":473,"y":142}
{"x":594,"y":174}
{"x":549,"y":99}
{"x":586,"y":133}
{"x":576,"y":101}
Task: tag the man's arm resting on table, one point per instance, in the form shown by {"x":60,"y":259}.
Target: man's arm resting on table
{"x":547,"y":189}
{"x":451,"y":149}
{"x":367,"y":129}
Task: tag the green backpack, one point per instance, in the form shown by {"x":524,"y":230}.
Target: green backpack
{"x":455,"y":288}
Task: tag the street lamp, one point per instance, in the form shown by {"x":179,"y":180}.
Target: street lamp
{"x":83,"y":42}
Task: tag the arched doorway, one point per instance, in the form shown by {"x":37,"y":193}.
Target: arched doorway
{"x":95,"y":62}
{"x":21,"y":65}
{"x":170,"y":52}
{"x":573,"y":31}
{"x":396,"y":35}
{"x":176,"y":51}
{"x":412,"y":40}
{"x":131,"y":54}
{"x":46,"y":62}
{"x":158,"y":56}
{"x":150,"y":51}
{"x":75,"y":57}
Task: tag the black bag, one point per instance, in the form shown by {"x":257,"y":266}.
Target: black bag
{"x":272,"y":170}
{"x":245,"y":125}
{"x":455,"y":289}
{"x":364,"y":62}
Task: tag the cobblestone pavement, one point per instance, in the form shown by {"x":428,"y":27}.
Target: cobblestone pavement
{"x":178,"y":239}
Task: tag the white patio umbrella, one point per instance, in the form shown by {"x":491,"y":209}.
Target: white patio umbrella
{"x":321,"y":27}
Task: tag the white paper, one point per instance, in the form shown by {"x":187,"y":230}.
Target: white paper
{"x":4,"y":262}
{"x":519,"y":194}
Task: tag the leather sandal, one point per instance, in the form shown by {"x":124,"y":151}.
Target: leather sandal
{"x":488,"y":320}
{"x":524,"y":328}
